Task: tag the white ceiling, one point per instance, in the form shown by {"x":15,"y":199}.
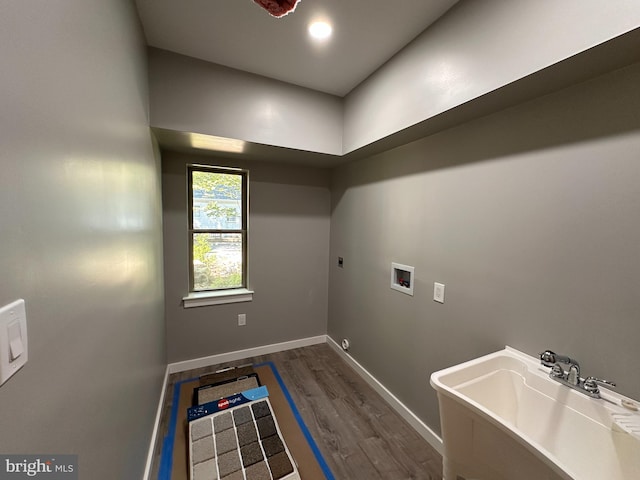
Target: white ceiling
{"x":241,"y":35}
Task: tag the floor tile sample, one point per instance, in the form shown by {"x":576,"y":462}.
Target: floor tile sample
{"x":226,"y":441}
{"x":241,"y":443}
{"x":272,"y":445}
{"x":251,"y":454}
{"x":222,"y":422}
{"x":266,"y":426}
{"x":205,"y":470}
{"x":280,"y":465}
{"x":203,"y":450}
{"x":258,"y":471}
{"x":247,"y":434}
{"x":234,"y":476}
{"x":228,"y":463}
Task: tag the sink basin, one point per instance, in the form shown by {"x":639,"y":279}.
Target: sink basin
{"x":503,"y":418}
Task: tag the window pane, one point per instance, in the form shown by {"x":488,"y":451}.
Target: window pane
{"x":217,"y":261}
{"x":217,"y":201}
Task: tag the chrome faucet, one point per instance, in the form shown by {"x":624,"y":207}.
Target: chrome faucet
{"x":571,"y":377}
{"x":555,"y":361}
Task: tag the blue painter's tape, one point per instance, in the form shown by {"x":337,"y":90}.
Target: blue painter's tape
{"x":314,"y":448}
{"x":166,"y":456}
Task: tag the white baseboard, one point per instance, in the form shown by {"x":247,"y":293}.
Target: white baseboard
{"x":423,"y":430}
{"x":247,"y":353}
{"x":156,"y":427}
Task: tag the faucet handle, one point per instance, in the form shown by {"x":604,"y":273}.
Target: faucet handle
{"x":591,"y":384}
{"x":557,"y":371}
{"x":548,"y":358}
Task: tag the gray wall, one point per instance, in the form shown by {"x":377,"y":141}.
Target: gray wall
{"x":190,"y":95}
{"x":80,"y":234}
{"x":529,"y":217}
{"x":476,"y":48}
{"x":289,"y":216}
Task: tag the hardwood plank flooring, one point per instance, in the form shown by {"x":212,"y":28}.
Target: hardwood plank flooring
{"x":358,"y":433}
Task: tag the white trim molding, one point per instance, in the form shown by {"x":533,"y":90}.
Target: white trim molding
{"x":218,"y":297}
{"x":419,"y":426}
{"x":156,"y":427}
{"x":241,"y":354}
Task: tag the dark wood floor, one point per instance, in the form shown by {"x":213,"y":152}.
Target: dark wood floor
{"x":358,"y":433}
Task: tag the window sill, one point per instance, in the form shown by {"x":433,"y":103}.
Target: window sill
{"x":203,"y":299}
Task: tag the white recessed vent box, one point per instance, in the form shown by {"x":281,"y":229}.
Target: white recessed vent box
{"x":402,"y":278}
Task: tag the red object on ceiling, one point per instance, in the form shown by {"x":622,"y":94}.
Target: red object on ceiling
{"x":278,"y":8}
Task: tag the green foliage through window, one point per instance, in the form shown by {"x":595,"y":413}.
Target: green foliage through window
{"x":218,"y":234}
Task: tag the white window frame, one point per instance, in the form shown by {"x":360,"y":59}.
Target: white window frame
{"x":199,"y":298}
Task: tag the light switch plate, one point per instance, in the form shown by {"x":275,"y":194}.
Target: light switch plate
{"x":14,"y":351}
{"x":438,"y":292}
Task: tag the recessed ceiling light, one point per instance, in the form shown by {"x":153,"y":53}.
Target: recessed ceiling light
{"x":320,"y":30}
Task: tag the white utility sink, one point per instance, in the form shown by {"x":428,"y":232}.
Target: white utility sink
{"x":503,"y":418}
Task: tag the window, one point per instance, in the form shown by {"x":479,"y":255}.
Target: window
{"x":218,"y":199}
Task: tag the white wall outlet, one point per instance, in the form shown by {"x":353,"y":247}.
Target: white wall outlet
{"x":242,"y":319}
{"x":14,"y":347}
{"x":438,"y":292}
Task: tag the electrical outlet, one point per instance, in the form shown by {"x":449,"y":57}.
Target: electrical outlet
{"x":242,"y":319}
{"x":438,"y":292}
